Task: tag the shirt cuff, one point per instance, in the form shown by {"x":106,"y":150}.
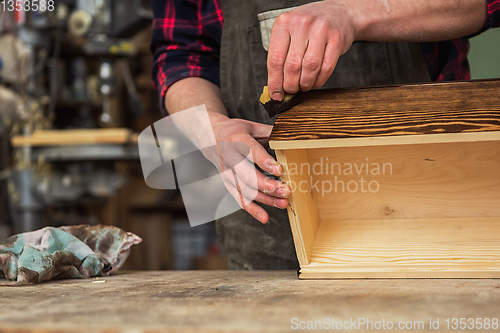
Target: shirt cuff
{"x":493,"y":20}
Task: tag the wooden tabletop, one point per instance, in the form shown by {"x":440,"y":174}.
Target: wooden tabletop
{"x":220,"y":301}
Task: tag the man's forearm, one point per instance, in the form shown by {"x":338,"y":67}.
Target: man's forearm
{"x":417,"y":20}
{"x":191,"y":92}
{"x":194,"y":91}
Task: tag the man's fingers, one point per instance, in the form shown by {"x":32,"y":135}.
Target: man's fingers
{"x":261,"y":131}
{"x":257,"y":212}
{"x":257,"y":180}
{"x":261,"y":157}
{"x":278,"y":49}
{"x":311,"y":63}
{"x":252,"y":208}
{"x":272,"y":187}
{"x":293,"y":64}
{"x":330,"y":58}
{"x":248,"y":193}
{"x":234,"y":158}
{"x":271,"y":201}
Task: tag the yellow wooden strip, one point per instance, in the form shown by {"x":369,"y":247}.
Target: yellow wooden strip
{"x":74,"y":137}
{"x":310,"y":273}
{"x":386,"y":140}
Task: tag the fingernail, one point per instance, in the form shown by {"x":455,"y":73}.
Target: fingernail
{"x":277,"y":97}
{"x":276,"y":168}
{"x":261,"y":218}
{"x":280,"y":203}
{"x":282,"y":192}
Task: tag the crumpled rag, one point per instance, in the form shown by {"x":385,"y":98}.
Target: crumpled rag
{"x":66,"y":252}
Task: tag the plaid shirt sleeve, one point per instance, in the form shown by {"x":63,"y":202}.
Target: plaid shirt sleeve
{"x":185,"y":42}
{"x":493,"y":15}
{"x":447,"y":60}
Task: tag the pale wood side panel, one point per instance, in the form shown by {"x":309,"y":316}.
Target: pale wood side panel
{"x":452,"y":180}
{"x":302,"y":208}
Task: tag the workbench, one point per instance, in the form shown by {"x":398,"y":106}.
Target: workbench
{"x":255,"y":301}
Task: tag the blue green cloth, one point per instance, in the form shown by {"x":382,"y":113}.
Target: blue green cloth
{"x":67,"y":252}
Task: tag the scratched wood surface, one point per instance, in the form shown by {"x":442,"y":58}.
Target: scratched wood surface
{"x":235,"y":301}
{"x":436,"y":108}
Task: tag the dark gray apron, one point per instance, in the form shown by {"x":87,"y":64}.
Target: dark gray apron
{"x":243,"y":72}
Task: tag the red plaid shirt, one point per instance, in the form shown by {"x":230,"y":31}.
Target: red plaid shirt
{"x":187,"y":33}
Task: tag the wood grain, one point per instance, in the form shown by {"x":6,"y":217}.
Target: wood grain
{"x":436,"y":213}
{"x":235,"y":301}
{"x":447,"y":180}
{"x":434,"y":108}
{"x":425,"y":248}
{"x":302,"y":208}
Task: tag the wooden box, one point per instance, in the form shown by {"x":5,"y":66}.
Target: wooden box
{"x":394,"y":182}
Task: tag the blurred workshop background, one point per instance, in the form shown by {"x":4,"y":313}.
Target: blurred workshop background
{"x":75,"y":91}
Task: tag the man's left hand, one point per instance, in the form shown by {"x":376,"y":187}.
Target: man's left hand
{"x":305,"y":46}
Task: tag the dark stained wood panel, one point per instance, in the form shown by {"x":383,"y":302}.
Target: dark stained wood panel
{"x":431,"y":108}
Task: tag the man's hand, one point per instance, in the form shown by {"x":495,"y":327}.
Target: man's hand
{"x":251,"y":183}
{"x":305,"y":46}
{"x":307,"y":41}
{"x":254,"y":135}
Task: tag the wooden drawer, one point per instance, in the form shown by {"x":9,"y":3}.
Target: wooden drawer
{"x":396,"y":181}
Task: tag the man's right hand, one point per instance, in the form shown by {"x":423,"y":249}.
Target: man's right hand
{"x":254,"y":135}
{"x":251,"y":183}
